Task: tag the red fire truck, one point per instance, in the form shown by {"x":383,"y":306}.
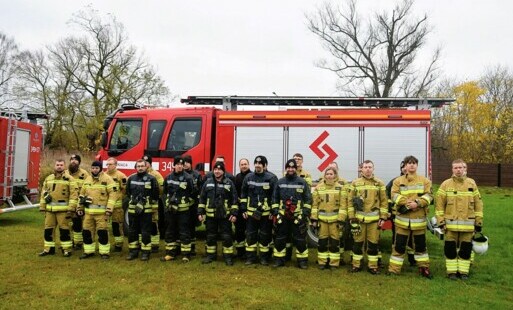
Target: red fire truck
{"x":21,"y":143}
{"x":323,"y":129}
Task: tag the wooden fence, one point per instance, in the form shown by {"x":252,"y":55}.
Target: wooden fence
{"x":500,"y":175}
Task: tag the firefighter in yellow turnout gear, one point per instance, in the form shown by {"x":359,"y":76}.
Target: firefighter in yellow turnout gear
{"x":411,"y":194}
{"x":367,"y":208}
{"x":329,"y":211}
{"x":58,"y":202}
{"x":118,"y":215}
{"x":97,"y":199}
{"x":79,"y":175}
{"x":459,"y":211}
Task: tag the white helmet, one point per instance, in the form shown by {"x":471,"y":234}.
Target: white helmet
{"x":434,"y":222}
{"x":480,"y":243}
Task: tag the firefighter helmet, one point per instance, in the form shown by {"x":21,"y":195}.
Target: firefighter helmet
{"x":480,"y":243}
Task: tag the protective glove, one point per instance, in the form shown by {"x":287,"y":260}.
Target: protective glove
{"x":403,"y":209}
{"x":68,"y":215}
{"x":313,"y":223}
{"x":478,"y":228}
{"x":356,"y":229}
{"x":47,"y":197}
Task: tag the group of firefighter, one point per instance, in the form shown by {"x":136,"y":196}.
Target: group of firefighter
{"x":271,"y":215}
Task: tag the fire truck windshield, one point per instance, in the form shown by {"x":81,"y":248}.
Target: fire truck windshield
{"x":125,"y":135}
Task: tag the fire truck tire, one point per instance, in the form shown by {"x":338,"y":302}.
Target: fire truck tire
{"x":125,"y":223}
{"x":312,"y":237}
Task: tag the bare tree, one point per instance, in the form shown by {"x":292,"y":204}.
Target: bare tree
{"x":8,"y":51}
{"x":376,"y":58}
{"x":82,"y":78}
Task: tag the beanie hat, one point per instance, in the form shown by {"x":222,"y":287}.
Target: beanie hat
{"x":97,"y":163}
{"x":178,"y":160}
{"x":219,"y":165}
{"x":187,"y":159}
{"x":147,"y":158}
{"x":76,"y":157}
{"x":261,"y":159}
{"x":291,"y":163}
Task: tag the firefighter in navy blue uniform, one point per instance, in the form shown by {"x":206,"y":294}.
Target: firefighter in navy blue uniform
{"x":241,"y":223}
{"x":219,"y":203}
{"x":97,"y":199}
{"x":193,"y":207}
{"x":142,"y":191}
{"x":178,"y":189}
{"x":367,"y":210}
{"x":158,"y":208}
{"x":291,"y":209}
{"x":58,"y":202}
{"x":411,"y":194}
{"x":329,"y":211}
{"x":256,"y":201}
{"x":459,"y":211}
{"x":79,"y":175}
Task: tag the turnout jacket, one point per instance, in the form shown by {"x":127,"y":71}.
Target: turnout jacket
{"x":257,"y":192}
{"x":372,"y":194}
{"x":296,"y":190}
{"x":103,"y":192}
{"x":458,"y":204}
{"x":120,"y":178}
{"x":415,"y":188}
{"x":218,"y":198}
{"x":80,"y":175}
{"x":178,"y":190}
{"x":144,"y":188}
{"x":63,"y":190}
{"x":329,"y":202}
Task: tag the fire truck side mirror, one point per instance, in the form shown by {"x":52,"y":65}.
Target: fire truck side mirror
{"x":104,"y":139}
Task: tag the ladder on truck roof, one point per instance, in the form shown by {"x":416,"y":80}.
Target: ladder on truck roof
{"x":231,"y":102}
{"x":12,"y":118}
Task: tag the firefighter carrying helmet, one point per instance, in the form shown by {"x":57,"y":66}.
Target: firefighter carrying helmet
{"x":480,"y":243}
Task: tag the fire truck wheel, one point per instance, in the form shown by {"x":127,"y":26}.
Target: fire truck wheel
{"x":312,"y":236}
{"x":125,"y":224}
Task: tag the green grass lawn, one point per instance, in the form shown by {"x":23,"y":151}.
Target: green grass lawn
{"x":28,"y":281}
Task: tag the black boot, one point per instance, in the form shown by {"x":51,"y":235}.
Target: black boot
{"x":208,"y":259}
{"x":264,"y":259}
{"x":51,"y":251}
{"x":66,"y":253}
{"x":193,"y":249}
{"x":133,"y":254}
{"x":118,"y":248}
{"x":302,"y":263}
{"x":86,"y":255}
{"x":154,"y":249}
{"x":250,"y":258}
{"x":279,"y":262}
{"x":145,"y":256}
{"x":228,"y":259}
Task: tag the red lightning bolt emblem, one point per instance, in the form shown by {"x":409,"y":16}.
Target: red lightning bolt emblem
{"x":323,"y":151}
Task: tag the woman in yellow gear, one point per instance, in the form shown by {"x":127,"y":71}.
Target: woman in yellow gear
{"x":329,"y":210}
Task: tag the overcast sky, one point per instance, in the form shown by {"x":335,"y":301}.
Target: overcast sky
{"x":227,"y":47}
